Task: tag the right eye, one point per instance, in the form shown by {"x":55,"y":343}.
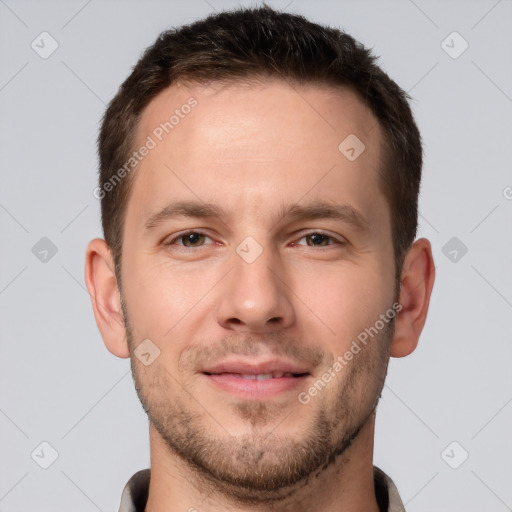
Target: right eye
{"x":188,"y":239}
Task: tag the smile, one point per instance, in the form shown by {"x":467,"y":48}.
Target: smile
{"x":257,"y":386}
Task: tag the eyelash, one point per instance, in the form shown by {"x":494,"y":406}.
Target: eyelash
{"x":192,"y":231}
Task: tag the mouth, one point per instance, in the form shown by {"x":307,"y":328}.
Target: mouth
{"x":263,"y":380}
{"x":260,"y":376}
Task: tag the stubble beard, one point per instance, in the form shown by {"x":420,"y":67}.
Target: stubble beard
{"x":263,"y":467}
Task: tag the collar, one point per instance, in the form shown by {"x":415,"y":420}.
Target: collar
{"x":135,"y":492}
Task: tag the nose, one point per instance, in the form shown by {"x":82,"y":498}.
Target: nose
{"x":256,"y":296}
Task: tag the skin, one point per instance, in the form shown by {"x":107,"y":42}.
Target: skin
{"x":251,"y":149}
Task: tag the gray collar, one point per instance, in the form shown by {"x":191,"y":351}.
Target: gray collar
{"x":135,"y":492}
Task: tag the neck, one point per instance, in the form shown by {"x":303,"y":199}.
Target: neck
{"x":347,"y":484}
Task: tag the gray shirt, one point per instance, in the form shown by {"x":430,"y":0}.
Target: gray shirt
{"x":135,"y":492}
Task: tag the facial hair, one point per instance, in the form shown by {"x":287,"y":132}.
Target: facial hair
{"x":264,"y":466}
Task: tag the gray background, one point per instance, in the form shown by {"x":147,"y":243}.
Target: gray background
{"x":58,"y":382}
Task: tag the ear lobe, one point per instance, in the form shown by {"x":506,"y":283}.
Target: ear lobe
{"x":101,"y":283}
{"x":417,"y":281}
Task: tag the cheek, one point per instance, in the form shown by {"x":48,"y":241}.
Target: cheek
{"x":343,"y":302}
{"x":162,"y":298}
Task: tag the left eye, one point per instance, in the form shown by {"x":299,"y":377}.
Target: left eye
{"x":318,"y":240}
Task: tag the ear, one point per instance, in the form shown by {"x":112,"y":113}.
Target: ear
{"x":417,"y":281}
{"x":101,"y":282}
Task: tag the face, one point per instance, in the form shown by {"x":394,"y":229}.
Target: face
{"x":255,"y":255}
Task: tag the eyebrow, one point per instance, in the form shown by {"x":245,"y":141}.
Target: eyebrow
{"x":295,"y":212}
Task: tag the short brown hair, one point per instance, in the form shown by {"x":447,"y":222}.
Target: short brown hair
{"x":263,"y":43}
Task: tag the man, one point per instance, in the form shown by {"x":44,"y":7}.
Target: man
{"x":259,"y":179}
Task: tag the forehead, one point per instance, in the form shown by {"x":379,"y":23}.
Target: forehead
{"x":258,"y":144}
{"x":224,"y":116}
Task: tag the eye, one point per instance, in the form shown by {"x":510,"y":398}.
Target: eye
{"x":189,"y":239}
{"x":196,"y":239}
{"x":318,"y":239}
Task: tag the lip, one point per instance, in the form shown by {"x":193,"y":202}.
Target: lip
{"x":249,"y":367}
{"x":228,"y":375}
{"x":255,"y":389}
